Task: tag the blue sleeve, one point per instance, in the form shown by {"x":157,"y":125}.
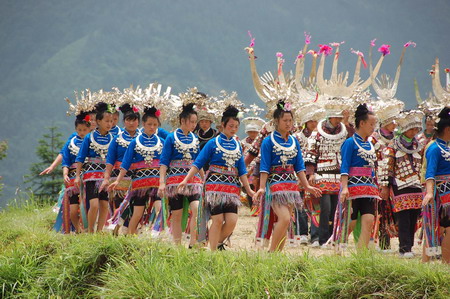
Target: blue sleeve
{"x":432,"y":162}
{"x":129,"y":155}
{"x":111,"y":157}
{"x":242,"y":170}
{"x":166,"y":155}
{"x":163,"y":133}
{"x":205,"y":154}
{"x":84,"y":149}
{"x":346,"y":156}
{"x":299,"y":163}
{"x":65,"y":155}
{"x":67,"y":142}
{"x":266,"y":155}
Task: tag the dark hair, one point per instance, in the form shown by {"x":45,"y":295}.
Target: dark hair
{"x":362,"y":114}
{"x":80,"y":119}
{"x":230,"y":112}
{"x":100,"y":110}
{"x":202,"y":94}
{"x":128,"y":113}
{"x":187,"y":111}
{"x":444,"y":120}
{"x":150,"y":112}
{"x":279,"y":111}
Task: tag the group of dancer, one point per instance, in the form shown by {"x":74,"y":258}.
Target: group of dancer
{"x":328,"y":160}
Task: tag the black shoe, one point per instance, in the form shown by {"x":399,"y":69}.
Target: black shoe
{"x":221,"y":247}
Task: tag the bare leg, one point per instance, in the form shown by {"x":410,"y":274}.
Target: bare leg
{"x":92,"y":214}
{"x":279,"y":232}
{"x":157,"y":207}
{"x":74,"y":217}
{"x":228,"y":226}
{"x":193,"y":225}
{"x":103,"y":213}
{"x":215,"y":231}
{"x":138,"y":211}
{"x":366,"y":229}
{"x":175,"y":225}
{"x":425,"y":257}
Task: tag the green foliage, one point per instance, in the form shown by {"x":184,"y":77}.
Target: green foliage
{"x":37,"y":262}
{"x":47,"y":150}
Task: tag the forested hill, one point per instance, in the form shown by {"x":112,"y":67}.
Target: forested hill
{"x":50,"y":48}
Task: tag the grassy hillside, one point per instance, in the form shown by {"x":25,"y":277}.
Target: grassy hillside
{"x":36,"y":262}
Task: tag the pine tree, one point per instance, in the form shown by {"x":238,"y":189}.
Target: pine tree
{"x":49,"y":146}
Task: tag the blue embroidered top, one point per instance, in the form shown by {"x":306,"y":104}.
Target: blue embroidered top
{"x":67,"y":142}
{"x":115,"y":131}
{"x":116,"y":151}
{"x":212,"y":154}
{"x":68,"y":158}
{"x":86,"y":151}
{"x":161,"y":132}
{"x":269,"y":158}
{"x":349,"y":154}
{"x":131,"y":156}
{"x":170,"y":153}
{"x":436,"y":163}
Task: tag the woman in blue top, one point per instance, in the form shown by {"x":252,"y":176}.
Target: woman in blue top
{"x":436,"y":202}
{"x":281,"y":168}
{"x":179,"y":152}
{"x":142,"y":158}
{"x":116,"y":151}
{"x":92,"y":158}
{"x":222,"y":187}
{"x":72,"y":192}
{"x":357,"y":178}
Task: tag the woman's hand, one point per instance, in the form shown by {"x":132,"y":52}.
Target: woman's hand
{"x":111,"y":186}
{"x":47,"y":170}
{"x":251,"y":193}
{"x":162,"y":190}
{"x":312,"y":179}
{"x":104,"y":185}
{"x":181,"y":186}
{"x":314,"y":191}
{"x":66,"y":179}
{"x":344,"y":194}
{"x":426,"y":199}
{"x":259,"y":194}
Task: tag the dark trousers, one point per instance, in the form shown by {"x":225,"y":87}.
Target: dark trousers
{"x":303,"y":226}
{"x":328,"y":204}
{"x":406,"y":220}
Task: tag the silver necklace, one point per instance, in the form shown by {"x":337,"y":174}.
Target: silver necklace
{"x":100,"y":149}
{"x":186,"y":148}
{"x":121,"y":141}
{"x":444,"y":151}
{"x":148,"y":152}
{"x":285,"y":152}
{"x":401,"y":147}
{"x":229,"y":156}
{"x":73,"y":148}
{"x":341,"y":135}
{"x":368,"y":155}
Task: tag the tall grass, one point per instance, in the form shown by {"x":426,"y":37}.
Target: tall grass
{"x":36,"y":262}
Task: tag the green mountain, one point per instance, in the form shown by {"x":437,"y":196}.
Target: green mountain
{"x":50,"y":48}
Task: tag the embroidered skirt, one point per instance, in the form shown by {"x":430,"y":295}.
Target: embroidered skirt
{"x":406,"y":199}
{"x":178,"y":169}
{"x":222,"y":186}
{"x":329,"y":183}
{"x":93,"y":171}
{"x":71,"y":189}
{"x":361,"y":184}
{"x":283,"y":186}
{"x":443,"y":192}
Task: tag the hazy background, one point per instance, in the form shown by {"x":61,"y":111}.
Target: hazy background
{"x":50,"y":48}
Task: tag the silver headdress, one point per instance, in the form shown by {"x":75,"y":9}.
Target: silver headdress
{"x":410,"y":119}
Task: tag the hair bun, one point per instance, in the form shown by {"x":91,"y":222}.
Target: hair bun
{"x":101,"y":107}
{"x":188,"y":107}
{"x":82,"y":116}
{"x":126,"y":108}
{"x":230,"y":111}
{"x":150,"y":111}
{"x":361,"y":110}
{"x":445,"y":113}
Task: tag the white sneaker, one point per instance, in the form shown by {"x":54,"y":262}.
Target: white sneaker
{"x":324,"y":246}
{"x":386,"y":251}
{"x":315,"y":244}
{"x":408,"y":255}
{"x":303,"y":240}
